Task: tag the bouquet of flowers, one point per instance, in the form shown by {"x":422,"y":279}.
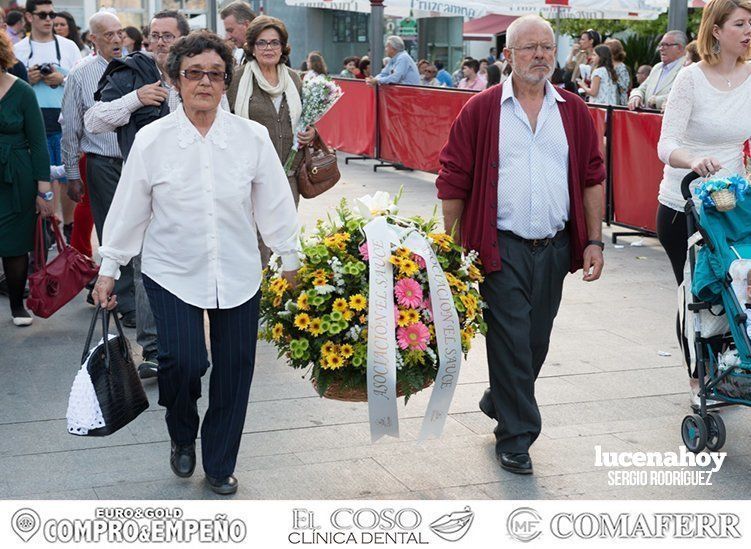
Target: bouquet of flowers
{"x":323,"y":323}
{"x":722,"y":193}
{"x":319,"y":94}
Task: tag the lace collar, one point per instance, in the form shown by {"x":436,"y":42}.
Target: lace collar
{"x":188,"y":133}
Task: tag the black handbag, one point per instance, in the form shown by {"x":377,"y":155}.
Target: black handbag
{"x":114,"y":377}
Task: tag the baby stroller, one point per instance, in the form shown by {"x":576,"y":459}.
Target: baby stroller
{"x":716,"y":319}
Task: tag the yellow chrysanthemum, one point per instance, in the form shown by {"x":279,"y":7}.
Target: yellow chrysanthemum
{"x":412,"y":316}
{"x":467,"y":334}
{"x":475,"y":274}
{"x":395,"y":260}
{"x":349,"y":314}
{"x":315,"y":326}
{"x":469,"y":301}
{"x":302,"y":321}
{"x":320,"y":273}
{"x":401,"y":251}
{"x":403,"y":320}
{"x":334,"y":361}
{"x":319,"y":281}
{"x":302,"y":302}
{"x":277,"y":301}
{"x":277,"y":331}
{"x":409,"y":267}
{"x":340,"y":305}
{"x":442,"y":240}
{"x":328,"y":348}
{"x":346,"y":350}
{"x":358,"y":302}
{"x":431,"y":329}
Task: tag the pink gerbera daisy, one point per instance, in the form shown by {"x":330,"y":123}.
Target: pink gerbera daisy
{"x":408,"y":293}
{"x":364,"y":251}
{"x":414,"y":337}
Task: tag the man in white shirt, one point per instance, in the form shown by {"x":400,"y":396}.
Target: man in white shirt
{"x":236,"y":18}
{"x":48,"y":59}
{"x":653,"y":92}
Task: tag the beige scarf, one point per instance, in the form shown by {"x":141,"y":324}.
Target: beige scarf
{"x":252,"y":72}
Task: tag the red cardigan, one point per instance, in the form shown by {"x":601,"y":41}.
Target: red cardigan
{"x":469,"y":171}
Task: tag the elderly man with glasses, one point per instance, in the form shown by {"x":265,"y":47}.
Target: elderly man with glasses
{"x":521,"y":182}
{"x":133,"y":92}
{"x":653,"y":92}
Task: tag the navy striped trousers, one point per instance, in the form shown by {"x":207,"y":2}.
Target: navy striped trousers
{"x":183,"y":360}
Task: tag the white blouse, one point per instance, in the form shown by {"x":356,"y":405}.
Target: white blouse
{"x":193,"y":203}
{"x":705,"y":121}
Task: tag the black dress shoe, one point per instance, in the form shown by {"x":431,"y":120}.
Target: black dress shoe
{"x":148,"y":368}
{"x":521,"y":464}
{"x":183,"y":459}
{"x":223,"y":486}
{"x":129,"y":319}
{"x":486,"y":404}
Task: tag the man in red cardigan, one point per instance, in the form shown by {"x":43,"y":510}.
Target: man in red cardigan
{"x":521,"y":182}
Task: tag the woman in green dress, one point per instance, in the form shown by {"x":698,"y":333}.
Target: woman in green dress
{"x":24,"y":178}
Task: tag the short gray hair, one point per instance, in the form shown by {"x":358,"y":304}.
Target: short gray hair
{"x":239,"y":10}
{"x":395,"y":42}
{"x":98,"y":18}
{"x":513,"y":29}
{"x":678,"y":35}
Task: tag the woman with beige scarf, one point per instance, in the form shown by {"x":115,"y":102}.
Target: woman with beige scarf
{"x":266,"y":91}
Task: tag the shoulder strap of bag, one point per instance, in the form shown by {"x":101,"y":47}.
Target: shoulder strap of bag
{"x":123,"y":342}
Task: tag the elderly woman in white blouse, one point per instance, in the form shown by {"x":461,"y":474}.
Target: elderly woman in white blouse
{"x":195,"y":186}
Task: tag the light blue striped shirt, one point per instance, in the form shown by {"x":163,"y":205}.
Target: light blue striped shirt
{"x":533,"y":197}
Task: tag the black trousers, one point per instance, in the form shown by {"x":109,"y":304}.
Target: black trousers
{"x":672,"y":232}
{"x":523,"y":300}
{"x":183,"y":360}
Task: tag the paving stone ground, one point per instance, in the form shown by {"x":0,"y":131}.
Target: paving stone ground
{"x":606,"y":382}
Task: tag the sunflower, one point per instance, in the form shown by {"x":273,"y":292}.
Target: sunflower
{"x":401,"y":251}
{"x":302,"y":321}
{"x":395,"y":260}
{"x":334,"y":361}
{"x":346,"y":350}
{"x":277,"y":331}
{"x":328,"y":348}
{"x":358,"y":302}
{"x":349,"y":314}
{"x":340,"y":305}
{"x":403,"y":320}
{"x":320,"y":273}
{"x":409,"y":267}
{"x":412,"y":316}
{"x":319,"y":281}
{"x":475,"y":274}
{"x":302,"y":302}
{"x":315,"y":326}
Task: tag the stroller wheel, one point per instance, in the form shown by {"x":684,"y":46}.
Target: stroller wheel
{"x":715,"y":432}
{"x":694,"y":433}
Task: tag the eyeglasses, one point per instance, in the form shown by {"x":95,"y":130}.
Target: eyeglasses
{"x":532,"y":48}
{"x":664,"y":45}
{"x":45,"y":14}
{"x":167,"y":37}
{"x":268,"y":44}
{"x":111,"y":35}
{"x":197,"y":75}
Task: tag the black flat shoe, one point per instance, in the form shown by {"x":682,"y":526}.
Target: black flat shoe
{"x":486,"y":404}
{"x":183,"y":459}
{"x":222,"y":486}
{"x":521,"y":464}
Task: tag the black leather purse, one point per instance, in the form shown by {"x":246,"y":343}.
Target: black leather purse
{"x":114,"y":376}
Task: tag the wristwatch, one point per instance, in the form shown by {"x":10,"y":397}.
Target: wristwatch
{"x":599,"y":243}
{"x":48,"y":196}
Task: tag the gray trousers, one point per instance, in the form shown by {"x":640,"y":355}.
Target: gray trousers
{"x":523,"y":299}
{"x":102,"y":176}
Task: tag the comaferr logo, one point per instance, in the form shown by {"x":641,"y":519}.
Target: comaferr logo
{"x":643,"y":525}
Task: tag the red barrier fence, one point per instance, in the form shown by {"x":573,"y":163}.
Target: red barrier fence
{"x":350,"y":125}
{"x":414,"y":123}
{"x":408,"y":126}
{"x":636,"y":171}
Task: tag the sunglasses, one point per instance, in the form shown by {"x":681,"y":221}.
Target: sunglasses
{"x":45,"y":14}
{"x":197,"y":74}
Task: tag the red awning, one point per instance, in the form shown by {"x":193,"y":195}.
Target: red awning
{"x":485,"y":28}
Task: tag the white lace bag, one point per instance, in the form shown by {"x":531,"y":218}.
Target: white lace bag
{"x":84,"y":412}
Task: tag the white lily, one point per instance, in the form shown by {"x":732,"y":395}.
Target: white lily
{"x":374,"y":205}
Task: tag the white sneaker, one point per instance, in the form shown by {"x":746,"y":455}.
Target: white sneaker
{"x":26,"y":320}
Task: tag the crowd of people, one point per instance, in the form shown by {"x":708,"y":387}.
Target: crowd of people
{"x":154,"y":139}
